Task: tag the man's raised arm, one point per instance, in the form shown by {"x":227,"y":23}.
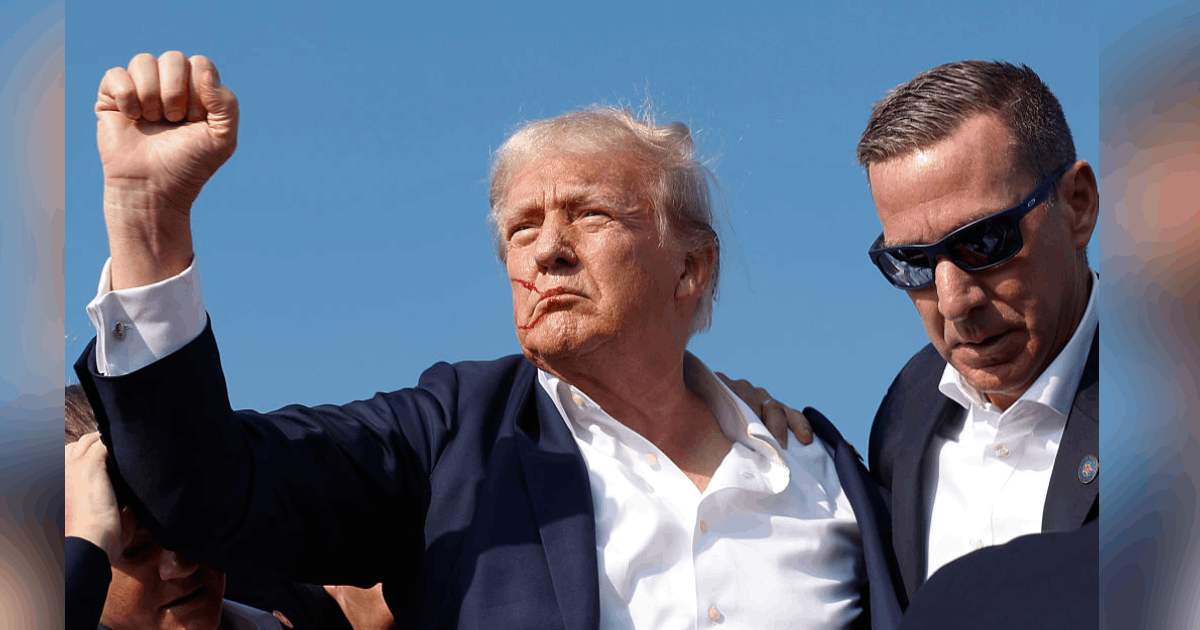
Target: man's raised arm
{"x":163,"y":127}
{"x":327,"y":494}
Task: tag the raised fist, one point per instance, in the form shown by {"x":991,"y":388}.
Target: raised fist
{"x":165,"y":126}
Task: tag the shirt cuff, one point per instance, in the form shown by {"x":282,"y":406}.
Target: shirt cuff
{"x":138,"y":326}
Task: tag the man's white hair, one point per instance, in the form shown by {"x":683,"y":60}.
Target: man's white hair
{"x":676,"y":183}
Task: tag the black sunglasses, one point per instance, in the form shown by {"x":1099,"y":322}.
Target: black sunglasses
{"x":979,"y":245}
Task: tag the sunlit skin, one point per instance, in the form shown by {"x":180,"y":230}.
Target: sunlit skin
{"x":155,"y":588}
{"x":600,"y":301}
{"x":1002,"y":327}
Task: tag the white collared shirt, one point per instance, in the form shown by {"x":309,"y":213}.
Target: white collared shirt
{"x":770,"y":543}
{"x":986,"y":482}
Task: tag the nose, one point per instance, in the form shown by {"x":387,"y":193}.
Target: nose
{"x":172,"y":566}
{"x":958,"y":291}
{"x":554,"y":248}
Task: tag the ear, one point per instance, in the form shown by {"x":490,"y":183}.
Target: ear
{"x":697,"y":272}
{"x":1079,"y":191}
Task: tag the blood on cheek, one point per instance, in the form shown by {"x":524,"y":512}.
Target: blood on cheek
{"x":532,"y":289}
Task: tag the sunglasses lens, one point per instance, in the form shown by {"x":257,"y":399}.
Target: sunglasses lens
{"x":986,"y":243}
{"x":905,"y":268}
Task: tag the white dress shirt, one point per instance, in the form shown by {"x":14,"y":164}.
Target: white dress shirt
{"x":772,"y":542}
{"x":987,"y":479}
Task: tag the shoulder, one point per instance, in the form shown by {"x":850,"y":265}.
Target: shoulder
{"x":477,"y":377}
{"x":912,"y":392}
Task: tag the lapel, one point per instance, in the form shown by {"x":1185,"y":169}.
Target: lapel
{"x":1068,"y":500}
{"x":561,"y":498}
{"x":909,"y":518}
{"x":882,"y":604}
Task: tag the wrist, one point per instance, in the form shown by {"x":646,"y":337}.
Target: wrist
{"x":149,"y":233}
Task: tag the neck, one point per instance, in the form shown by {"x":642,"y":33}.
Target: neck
{"x":642,"y":388}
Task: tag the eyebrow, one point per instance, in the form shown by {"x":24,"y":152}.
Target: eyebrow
{"x":568,"y":196}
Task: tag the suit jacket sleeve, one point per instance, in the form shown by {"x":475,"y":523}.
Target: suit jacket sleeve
{"x":87,"y":577}
{"x":324,"y":494}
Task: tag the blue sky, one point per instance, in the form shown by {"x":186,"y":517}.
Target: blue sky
{"x":344,"y":248}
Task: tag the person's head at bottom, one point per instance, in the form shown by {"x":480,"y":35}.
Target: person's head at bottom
{"x":151,"y":587}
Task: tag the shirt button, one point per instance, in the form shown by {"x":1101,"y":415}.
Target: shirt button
{"x":577,"y":399}
{"x":976,"y":543}
{"x":703,"y":526}
{"x":119,"y":329}
{"x":652,"y":460}
{"x":1001,"y":451}
{"x":747,"y":475}
{"x":714,"y":615}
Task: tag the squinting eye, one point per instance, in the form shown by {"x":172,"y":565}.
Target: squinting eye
{"x":513,"y":232}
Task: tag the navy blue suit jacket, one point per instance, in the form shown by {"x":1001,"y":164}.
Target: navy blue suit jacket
{"x":1046,"y":580}
{"x":911,"y":413}
{"x":465,"y":495}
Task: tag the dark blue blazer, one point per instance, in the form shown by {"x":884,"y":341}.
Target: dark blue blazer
{"x":465,"y":495}
{"x":1046,"y":580}
{"x":910,"y":415}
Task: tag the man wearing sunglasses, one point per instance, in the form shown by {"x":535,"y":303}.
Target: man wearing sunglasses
{"x":990,"y":431}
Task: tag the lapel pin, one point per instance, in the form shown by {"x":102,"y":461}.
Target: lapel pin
{"x":1089,"y":467}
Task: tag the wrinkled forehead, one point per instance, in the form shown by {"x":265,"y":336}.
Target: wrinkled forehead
{"x":928,"y":193}
{"x":564,"y":180}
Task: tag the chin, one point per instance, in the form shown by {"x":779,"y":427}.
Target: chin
{"x":1007,"y":380}
{"x":553,"y":340}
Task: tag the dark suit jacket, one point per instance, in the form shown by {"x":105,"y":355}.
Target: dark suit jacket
{"x":1021,"y":584}
{"x":465,"y":495}
{"x":909,"y":416}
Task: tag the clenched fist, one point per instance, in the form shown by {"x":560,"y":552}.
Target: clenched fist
{"x":163,"y":126}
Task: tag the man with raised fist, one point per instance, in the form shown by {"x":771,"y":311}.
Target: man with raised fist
{"x":605,"y":477}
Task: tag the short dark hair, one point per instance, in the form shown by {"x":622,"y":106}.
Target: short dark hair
{"x":78,"y":417}
{"x":932,"y":106}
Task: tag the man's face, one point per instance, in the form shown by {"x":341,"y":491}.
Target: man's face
{"x":584,"y":257}
{"x":155,"y":588}
{"x":1000,"y":328}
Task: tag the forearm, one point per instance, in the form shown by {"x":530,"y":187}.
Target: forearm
{"x":149,"y":233}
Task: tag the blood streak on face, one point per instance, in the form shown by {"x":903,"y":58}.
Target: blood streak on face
{"x":529,"y":286}
{"x":585,"y":259}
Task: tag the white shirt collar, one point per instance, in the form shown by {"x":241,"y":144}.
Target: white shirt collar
{"x":736,"y":420}
{"x":1055,"y":386}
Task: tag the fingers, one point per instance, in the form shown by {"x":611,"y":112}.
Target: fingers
{"x":218,"y":100}
{"x":774,"y":415}
{"x":197,"y":65}
{"x":117,"y":93}
{"x":87,"y":453}
{"x":170,"y":87}
{"x":779,"y":418}
{"x":143,"y":69}
{"x":77,"y":450}
{"x":173,"y":86}
{"x":800,"y":426}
